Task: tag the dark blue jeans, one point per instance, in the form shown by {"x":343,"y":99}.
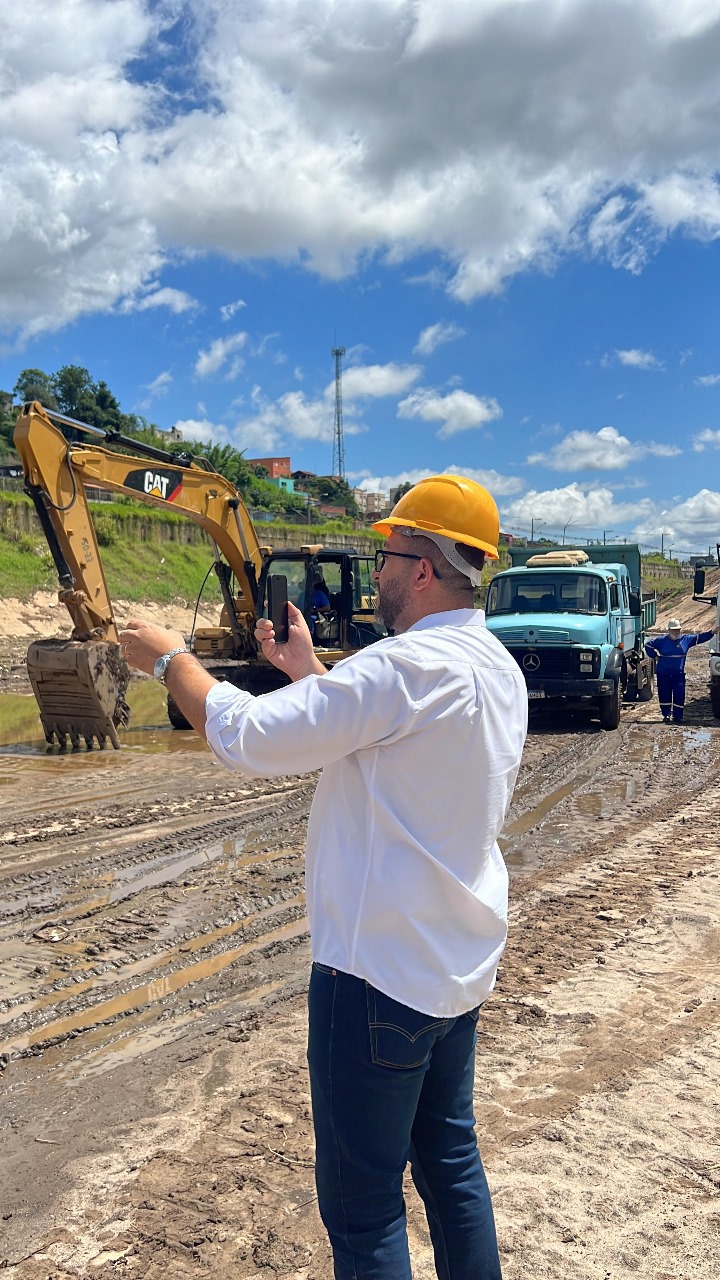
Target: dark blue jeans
{"x":671,"y":694}
{"x":389,"y":1085}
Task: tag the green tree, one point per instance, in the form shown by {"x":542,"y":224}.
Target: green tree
{"x":332,"y":490}
{"x":7,"y":421}
{"x":108,"y":412}
{"x":402,"y":490}
{"x":74,"y":391}
{"x":33,"y":384}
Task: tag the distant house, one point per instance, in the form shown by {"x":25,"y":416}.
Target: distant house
{"x":275,"y":467}
{"x":286,"y":483}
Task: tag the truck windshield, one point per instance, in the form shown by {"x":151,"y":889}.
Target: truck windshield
{"x":547,"y":593}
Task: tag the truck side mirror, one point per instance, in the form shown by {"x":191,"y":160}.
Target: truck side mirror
{"x":699,"y":582}
{"x":635,"y":604}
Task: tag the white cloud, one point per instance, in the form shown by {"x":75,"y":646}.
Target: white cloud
{"x":201,"y":430}
{"x":160,"y":385}
{"x":586,"y":512}
{"x":297,"y":416}
{"x":708,"y":380}
{"x":231,"y":308}
{"x":603,"y":450}
{"x":498,"y":485}
{"x":376,"y":380}
{"x":457,"y":411}
{"x":693,"y":523}
{"x":409,"y":127}
{"x":222,"y":351}
{"x":636,"y":359}
{"x":435,"y":335}
{"x":584,"y":509}
{"x":292,"y":415}
{"x":707,"y":439}
{"x":175,"y":299}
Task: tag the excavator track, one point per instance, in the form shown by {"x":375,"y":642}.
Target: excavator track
{"x":80,"y":687}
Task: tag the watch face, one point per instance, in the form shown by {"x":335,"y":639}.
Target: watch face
{"x":160,"y":668}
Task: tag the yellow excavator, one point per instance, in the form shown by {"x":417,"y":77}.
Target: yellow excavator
{"x":80,"y":683}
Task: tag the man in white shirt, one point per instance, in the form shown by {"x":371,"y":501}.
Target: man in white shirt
{"x":420,"y":738}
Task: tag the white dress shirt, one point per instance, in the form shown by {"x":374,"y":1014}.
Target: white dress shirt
{"x":419,"y":737}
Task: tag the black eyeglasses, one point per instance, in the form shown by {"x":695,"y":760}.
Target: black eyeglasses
{"x":381,"y":557}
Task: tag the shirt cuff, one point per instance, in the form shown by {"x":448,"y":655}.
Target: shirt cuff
{"x":222,"y":705}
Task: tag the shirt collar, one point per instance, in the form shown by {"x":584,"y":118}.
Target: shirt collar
{"x":450,"y":618}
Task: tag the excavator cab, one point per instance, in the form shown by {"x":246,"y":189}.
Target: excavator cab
{"x":344,"y":577}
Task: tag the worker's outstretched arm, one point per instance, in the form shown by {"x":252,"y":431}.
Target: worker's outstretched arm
{"x":187,"y":680}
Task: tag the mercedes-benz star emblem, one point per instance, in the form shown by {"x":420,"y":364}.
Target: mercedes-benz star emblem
{"x":531,"y":661}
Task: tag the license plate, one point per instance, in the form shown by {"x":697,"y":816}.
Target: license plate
{"x":536,"y":693}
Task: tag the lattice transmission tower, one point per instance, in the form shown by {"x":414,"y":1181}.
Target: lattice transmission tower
{"x":338,"y":464}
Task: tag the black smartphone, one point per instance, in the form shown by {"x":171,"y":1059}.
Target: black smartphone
{"x":278,"y":605}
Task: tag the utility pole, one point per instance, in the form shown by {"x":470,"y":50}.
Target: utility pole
{"x":662,"y":545}
{"x":605,"y":534}
{"x":338,"y":463}
{"x":535,"y":524}
{"x":565,"y":528}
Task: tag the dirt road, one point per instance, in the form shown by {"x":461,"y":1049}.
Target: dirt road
{"x":153,"y":1104}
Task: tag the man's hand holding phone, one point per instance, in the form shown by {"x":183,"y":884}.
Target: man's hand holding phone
{"x":296,"y":657}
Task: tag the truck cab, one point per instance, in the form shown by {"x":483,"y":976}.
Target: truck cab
{"x":575,"y":622}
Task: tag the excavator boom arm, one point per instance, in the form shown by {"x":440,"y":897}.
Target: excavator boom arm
{"x":80,"y":684}
{"x":57,"y":475}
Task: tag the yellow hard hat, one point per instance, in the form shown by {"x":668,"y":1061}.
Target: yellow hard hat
{"x":452,"y":506}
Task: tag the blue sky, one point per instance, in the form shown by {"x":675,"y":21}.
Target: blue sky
{"x":509,"y":217}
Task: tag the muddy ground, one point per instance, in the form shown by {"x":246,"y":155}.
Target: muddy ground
{"x":154,"y":1107}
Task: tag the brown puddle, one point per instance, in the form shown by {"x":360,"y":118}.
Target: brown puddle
{"x":155,"y":990}
{"x":135,"y":968}
{"x":150,"y":730}
{"x":110,"y":887}
{"x":523,"y":856}
{"x":140,"y":1033}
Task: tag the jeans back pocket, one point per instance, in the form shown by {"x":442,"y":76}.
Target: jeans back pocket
{"x":400,"y":1037}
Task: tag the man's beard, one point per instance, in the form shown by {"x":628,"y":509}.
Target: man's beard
{"x":391,"y":602}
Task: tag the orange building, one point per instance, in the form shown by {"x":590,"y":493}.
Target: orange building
{"x":275,"y":467}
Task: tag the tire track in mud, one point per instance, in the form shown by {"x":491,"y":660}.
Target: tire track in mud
{"x":146,"y":910}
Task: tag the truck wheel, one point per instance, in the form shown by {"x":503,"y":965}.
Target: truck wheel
{"x":715,"y":698}
{"x":609,"y":706}
{"x":175,"y":715}
{"x":646,"y":693}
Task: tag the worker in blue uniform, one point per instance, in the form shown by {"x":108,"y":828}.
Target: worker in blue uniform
{"x":671,"y":651}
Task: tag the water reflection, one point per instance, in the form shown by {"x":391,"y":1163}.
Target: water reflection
{"x":150,"y":731}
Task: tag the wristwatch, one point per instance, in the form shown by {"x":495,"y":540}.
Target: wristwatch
{"x":162,"y":664}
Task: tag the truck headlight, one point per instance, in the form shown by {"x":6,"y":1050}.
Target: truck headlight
{"x":586,"y":657}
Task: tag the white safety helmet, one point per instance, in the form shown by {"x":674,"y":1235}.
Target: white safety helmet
{"x":674,"y":625}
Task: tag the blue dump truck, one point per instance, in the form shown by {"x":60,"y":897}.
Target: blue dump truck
{"x":575,"y":623}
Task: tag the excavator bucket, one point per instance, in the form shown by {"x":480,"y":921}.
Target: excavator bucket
{"x":80,"y":689}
